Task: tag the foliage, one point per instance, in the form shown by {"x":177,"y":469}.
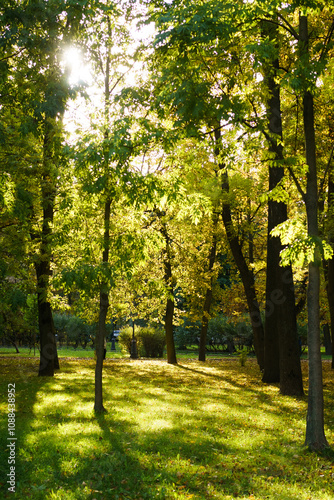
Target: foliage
{"x":18,"y":312}
{"x":187,"y":333}
{"x":125,"y":338}
{"x":74,"y":330}
{"x":223,"y":334}
{"x":151,"y":340}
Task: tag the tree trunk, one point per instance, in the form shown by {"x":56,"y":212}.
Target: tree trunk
{"x":204,"y":325}
{"x":248,"y":282}
{"x":99,"y":346}
{"x":104,"y":304}
{"x":315,"y":435}
{"x":330,"y":297}
{"x":48,"y":349}
{"x":281,"y":351}
{"x":104,"y":286}
{"x":246,"y":273}
{"x":169,"y":283}
{"x":208,"y":294}
{"x":329,"y":265}
{"x":170,"y":345}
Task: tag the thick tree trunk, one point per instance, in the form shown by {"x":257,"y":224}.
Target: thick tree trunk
{"x":48,"y":349}
{"x":281,"y":352}
{"x":315,"y":435}
{"x":271,"y":372}
{"x":291,"y":379}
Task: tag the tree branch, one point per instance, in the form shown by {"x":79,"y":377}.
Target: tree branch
{"x":297,"y":183}
{"x":321,"y":188}
{"x":327,"y":41}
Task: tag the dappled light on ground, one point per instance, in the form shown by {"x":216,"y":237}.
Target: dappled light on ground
{"x":193,"y":430}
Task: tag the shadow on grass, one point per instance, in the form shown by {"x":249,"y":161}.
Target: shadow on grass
{"x":22,"y":373}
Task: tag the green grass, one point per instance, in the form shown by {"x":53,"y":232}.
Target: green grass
{"x":196,"y":430}
{"x":71,"y":352}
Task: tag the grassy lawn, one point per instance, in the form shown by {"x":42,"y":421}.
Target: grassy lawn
{"x":71,"y":352}
{"x":196,"y":430}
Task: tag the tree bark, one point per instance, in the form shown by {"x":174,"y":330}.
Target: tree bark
{"x":104,"y":286}
{"x":246,"y":273}
{"x":330,"y":298}
{"x":99,"y":346}
{"x":104,"y":304}
{"x":315,"y":435}
{"x":170,"y":345}
{"x":281,"y":351}
{"x":169,"y":283}
{"x":48,"y":349}
{"x":208,"y":294}
{"x":329,"y":265}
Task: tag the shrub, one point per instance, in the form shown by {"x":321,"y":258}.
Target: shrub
{"x":125,"y":338}
{"x":150,"y":341}
{"x":153,"y":341}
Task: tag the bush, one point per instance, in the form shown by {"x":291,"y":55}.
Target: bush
{"x":153,"y":341}
{"x":150,"y":341}
{"x":125,"y":338}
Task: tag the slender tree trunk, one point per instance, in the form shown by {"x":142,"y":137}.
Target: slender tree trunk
{"x":329,"y":265}
{"x":104,"y":304}
{"x":169,"y":283}
{"x":246,"y":273}
{"x":104,"y":286}
{"x":330,"y":297}
{"x":208,"y":294}
{"x":281,"y":351}
{"x":315,"y":435}
{"x":170,"y":345}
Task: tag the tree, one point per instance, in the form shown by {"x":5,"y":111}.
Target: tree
{"x":170,"y":285}
{"x":200,"y":97}
{"x":281,"y":359}
{"x":315,"y":436}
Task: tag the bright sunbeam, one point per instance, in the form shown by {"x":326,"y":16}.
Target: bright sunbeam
{"x":78,"y":71}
